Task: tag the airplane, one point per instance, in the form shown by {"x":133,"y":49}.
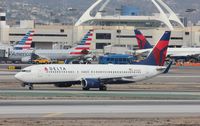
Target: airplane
{"x":174,"y":53}
{"x":97,"y":75}
{"x":55,"y":54}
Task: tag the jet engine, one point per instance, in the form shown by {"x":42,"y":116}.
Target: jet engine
{"x":91,"y":83}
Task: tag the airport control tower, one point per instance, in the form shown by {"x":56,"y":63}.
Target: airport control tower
{"x":4,"y":29}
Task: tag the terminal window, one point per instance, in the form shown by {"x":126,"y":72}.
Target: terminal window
{"x":103,"y":35}
{"x":62,"y":30}
{"x":187,"y":33}
{"x":101,"y":45}
{"x":2,"y":18}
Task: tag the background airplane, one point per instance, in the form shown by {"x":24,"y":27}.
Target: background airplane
{"x":175,"y":53}
{"x":55,"y":54}
{"x":97,"y":76}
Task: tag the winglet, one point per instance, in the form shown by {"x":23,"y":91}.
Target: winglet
{"x":168,"y":67}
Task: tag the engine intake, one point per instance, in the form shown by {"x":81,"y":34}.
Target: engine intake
{"x":91,"y":83}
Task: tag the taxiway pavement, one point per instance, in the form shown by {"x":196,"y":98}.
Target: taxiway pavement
{"x":99,"y":109}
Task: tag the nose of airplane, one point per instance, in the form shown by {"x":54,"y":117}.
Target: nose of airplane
{"x":19,"y":77}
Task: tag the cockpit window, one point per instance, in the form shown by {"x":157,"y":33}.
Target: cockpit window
{"x":27,"y":71}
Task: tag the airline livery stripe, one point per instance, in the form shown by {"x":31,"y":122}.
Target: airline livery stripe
{"x":87,"y":43}
{"x":76,"y":53}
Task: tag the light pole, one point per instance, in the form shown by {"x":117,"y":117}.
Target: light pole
{"x":190,"y":11}
{"x":118,"y":10}
{"x":72,"y":10}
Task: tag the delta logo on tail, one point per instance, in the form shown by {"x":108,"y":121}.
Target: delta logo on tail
{"x":142,"y":41}
{"x":84,"y":46}
{"x":159,"y":52}
{"x":26,"y":42}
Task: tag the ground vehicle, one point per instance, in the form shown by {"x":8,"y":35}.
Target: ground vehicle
{"x":117,"y":59}
{"x":41,"y":61}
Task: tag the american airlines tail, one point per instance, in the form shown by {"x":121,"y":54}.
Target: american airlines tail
{"x":158,"y":54}
{"x":142,"y":41}
{"x":26,"y":42}
{"x":84,"y":46}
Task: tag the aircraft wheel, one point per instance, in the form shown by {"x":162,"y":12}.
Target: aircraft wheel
{"x":23,"y":84}
{"x":86,"y":89}
{"x":103,"y":88}
{"x":30,"y":86}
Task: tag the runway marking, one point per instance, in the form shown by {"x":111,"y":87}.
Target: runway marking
{"x":180,"y":76}
{"x":52,"y":115}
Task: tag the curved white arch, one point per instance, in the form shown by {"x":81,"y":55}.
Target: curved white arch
{"x":172,"y":15}
{"x":86,"y":16}
{"x":163,"y":17}
{"x":99,"y":14}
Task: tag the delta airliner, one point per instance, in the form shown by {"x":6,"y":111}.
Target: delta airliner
{"x":97,"y":76}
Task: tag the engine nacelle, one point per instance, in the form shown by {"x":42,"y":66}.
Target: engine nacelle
{"x":62,"y":85}
{"x":91,"y":83}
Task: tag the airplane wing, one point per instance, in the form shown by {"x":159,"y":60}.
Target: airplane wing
{"x":125,"y":79}
{"x":184,"y":55}
{"x":139,"y":52}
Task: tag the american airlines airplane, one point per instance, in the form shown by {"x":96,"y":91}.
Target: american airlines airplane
{"x":97,"y":76}
{"x":56,"y":54}
{"x":176,"y":53}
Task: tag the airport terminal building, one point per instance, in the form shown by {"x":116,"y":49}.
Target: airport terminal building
{"x":108,"y":30}
{"x":61,"y":36}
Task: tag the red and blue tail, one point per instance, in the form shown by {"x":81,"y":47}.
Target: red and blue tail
{"x":85,"y":44}
{"x":142,"y":41}
{"x":26,"y":42}
{"x":158,"y":54}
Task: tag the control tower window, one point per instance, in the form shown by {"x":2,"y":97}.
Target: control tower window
{"x":103,"y":35}
{"x":2,"y":18}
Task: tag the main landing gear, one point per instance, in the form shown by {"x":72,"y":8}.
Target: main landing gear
{"x":30,"y":86}
{"x":101,"y":88}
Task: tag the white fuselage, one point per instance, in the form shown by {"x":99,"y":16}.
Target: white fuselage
{"x":177,"y":52}
{"x":77,"y":72}
{"x":18,"y":55}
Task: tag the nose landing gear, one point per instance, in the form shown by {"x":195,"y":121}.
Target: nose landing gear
{"x":30,"y":86}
